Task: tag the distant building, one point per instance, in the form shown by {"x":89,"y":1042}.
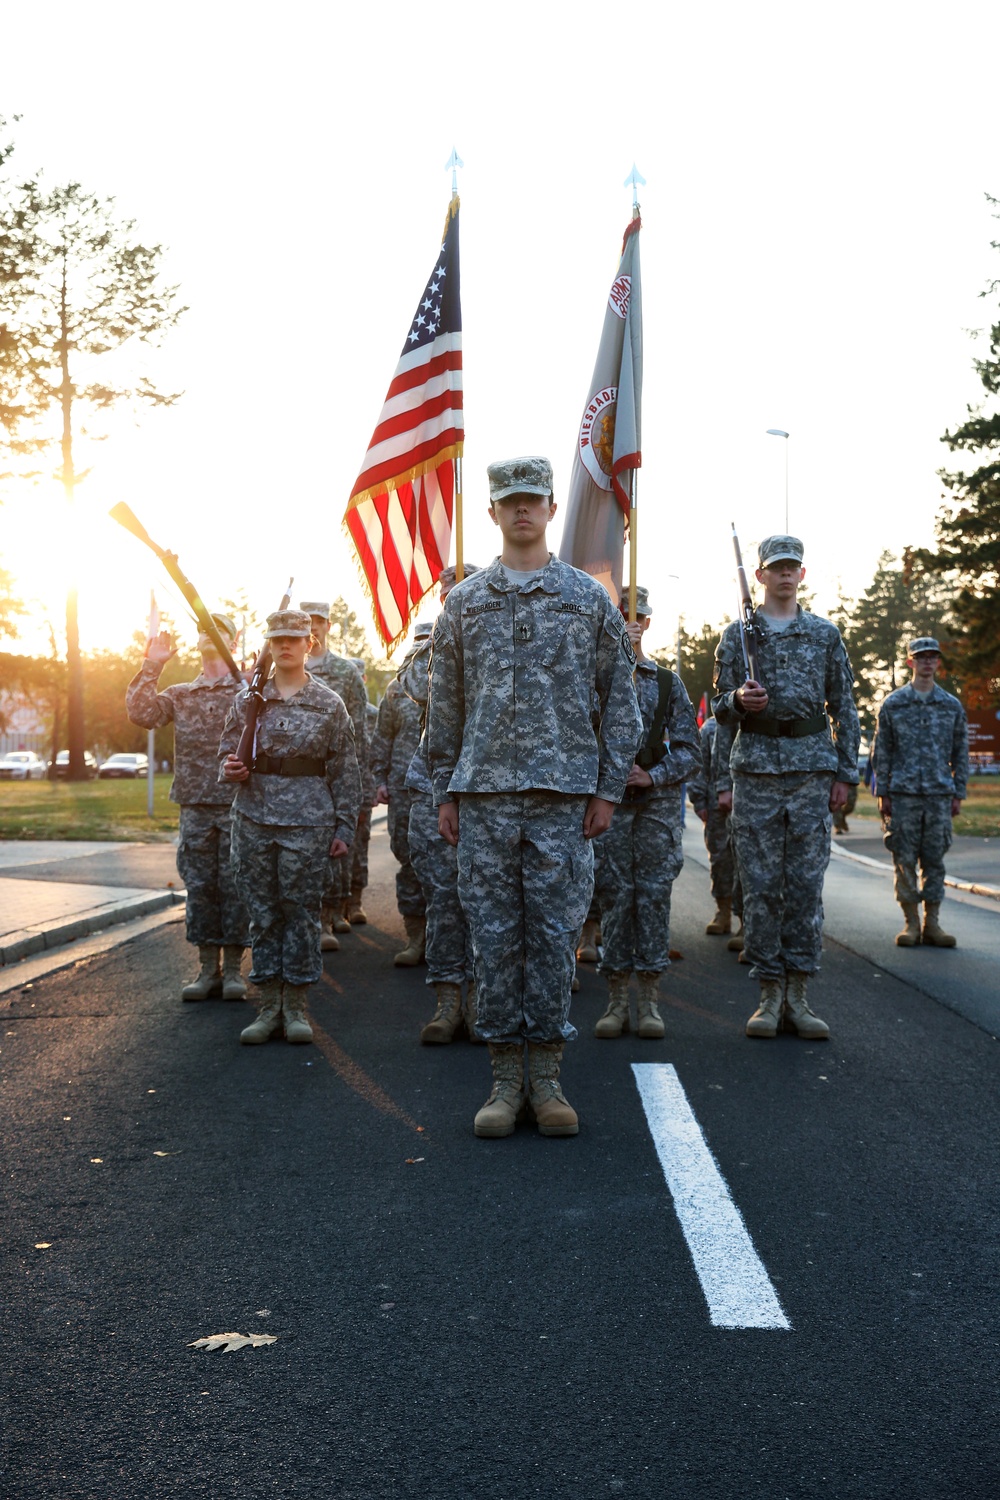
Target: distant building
{"x":22,"y":727}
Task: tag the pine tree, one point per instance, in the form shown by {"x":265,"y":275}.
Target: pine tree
{"x":82,"y":288}
{"x":968,"y":529}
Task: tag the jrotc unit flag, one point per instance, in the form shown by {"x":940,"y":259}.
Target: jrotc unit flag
{"x":400,"y":512}
{"x":608,"y":445}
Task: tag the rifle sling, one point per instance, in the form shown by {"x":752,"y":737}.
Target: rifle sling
{"x":654,"y":749}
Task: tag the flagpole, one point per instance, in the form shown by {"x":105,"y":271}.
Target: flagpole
{"x":451,"y":165}
{"x":151,"y":736}
{"x":633,"y":180}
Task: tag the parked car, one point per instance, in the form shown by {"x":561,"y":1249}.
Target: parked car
{"x":60,"y":766}
{"x":125,"y":763}
{"x":22,"y":765}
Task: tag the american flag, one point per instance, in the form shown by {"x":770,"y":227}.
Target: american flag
{"x":399,"y":515}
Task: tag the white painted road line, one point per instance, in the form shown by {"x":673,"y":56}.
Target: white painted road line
{"x":737,"y":1288}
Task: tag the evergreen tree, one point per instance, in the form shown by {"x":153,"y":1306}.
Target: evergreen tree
{"x":968,"y":529}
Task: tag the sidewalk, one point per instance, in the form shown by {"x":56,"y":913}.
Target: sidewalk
{"x":52,"y":893}
{"x":973,"y":864}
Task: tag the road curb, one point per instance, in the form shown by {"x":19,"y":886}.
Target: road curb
{"x":31,"y":940}
{"x":973,"y":887}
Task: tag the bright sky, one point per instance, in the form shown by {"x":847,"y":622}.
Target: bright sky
{"x":815,"y":238}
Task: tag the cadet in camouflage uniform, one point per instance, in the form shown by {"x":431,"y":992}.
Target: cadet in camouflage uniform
{"x":295,"y":807}
{"x":355,"y":912}
{"x":523,"y":782}
{"x":704,"y":793}
{"x":215,"y":916}
{"x":445,"y":939}
{"x":640,"y":856}
{"x":397,"y":734}
{"x":788,"y":773}
{"x":343,"y":678}
{"x":921,"y":759}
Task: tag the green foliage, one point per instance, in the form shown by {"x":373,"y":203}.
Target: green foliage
{"x":897,"y":605}
{"x":10,"y":605}
{"x":968,"y":529}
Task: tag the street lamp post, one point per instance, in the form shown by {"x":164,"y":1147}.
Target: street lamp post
{"x":780,"y":432}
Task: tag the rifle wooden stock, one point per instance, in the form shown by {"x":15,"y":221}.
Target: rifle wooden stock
{"x":126,"y":517}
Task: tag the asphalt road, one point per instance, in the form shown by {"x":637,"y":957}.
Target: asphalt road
{"x":510,"y":1319}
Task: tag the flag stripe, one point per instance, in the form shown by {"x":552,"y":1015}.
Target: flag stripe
{"x":399,"y":514}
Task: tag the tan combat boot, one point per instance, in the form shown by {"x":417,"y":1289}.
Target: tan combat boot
{"x":441,"y":1028}
{"x":327,"y":942}
{"x":293,"y":999}
{"x":412,"y":954}
{"x":934,"y":934}
{"x":735,"y":944}
{"x":574,"y":984}
{"x":209,"y":981}
{"x":910,"y":935}
{"x":797,"y":1009}
{"x":587,"y":951}
{"x":498,"y":1115}
{"x":355,"y":911}
{"x":340,"y":921}
{"x":722,"y":922}
{"x":764,"y":1021}
{"x":268,"y":1014}
{"x":472,"y":1014}
{"x":553,"y":1113}
{"x":615,"y":1019}
{"x":650,"y":1026}
{"x":234,"y":986}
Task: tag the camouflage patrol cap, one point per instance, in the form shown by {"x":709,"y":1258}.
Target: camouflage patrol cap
{"x":318,"y":607}
{"x":422,"y":630}
{"x":448,"y":578}
{"x":519,"y":476}
{"x":924,"y":645}
{"x":288,"y":622}
{"x":780,"y":549}
{"x":226,"y":624}
{"x":642,"y":604}
{"x":360,"y":663}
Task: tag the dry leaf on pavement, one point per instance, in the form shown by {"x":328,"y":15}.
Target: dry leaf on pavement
{"x":230,"y":1341}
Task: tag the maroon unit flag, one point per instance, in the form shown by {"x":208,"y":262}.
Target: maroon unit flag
{"x":608,"y":444}
{"x":400,"y":512}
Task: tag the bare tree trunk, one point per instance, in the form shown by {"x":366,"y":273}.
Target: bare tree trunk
{"x":76,"y":770}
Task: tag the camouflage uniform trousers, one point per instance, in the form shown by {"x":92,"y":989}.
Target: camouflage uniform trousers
{"x":781,"y":832}
{"x":525,"y":879}
{"x":359,"y":852}
{"x":637,"y":862}
{"x":720,"y":855}
{"x":918,"y":831}
{"x":280,"y":872}
{"x":448,"y":948}
{"x":214,"y":913}
{"x":409,"y":893}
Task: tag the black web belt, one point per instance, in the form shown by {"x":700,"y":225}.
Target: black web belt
{"x":289,"y":765}
{"x":792,"y":729}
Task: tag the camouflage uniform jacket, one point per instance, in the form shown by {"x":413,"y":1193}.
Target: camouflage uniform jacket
{"x":700,"y":784}
{"x":513,"y":672}
{"x":680,"y":732}
{"x":397,"y":734}
{"x":807,"y":674}
{"x":343,"y":677}
{"x":313,"y":723}
{"x":414,"y":679}
{"x":921,"y":745}
{"x":198,"y":711}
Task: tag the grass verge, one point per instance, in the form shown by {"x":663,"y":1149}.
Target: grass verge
{"x":87,"y":810}
{"x":980,"y":815}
